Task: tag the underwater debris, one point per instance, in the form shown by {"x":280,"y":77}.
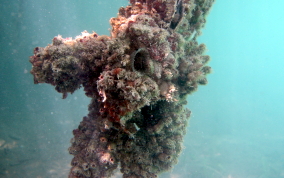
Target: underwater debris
{"x":138,"y":79}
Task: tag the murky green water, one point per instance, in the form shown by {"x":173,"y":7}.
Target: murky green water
{"x":236,"y":129}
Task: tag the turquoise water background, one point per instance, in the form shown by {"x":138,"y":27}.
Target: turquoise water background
{"x":237,"y":125}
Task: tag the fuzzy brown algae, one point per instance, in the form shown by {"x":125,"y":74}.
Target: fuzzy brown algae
{"x":138,"y":79}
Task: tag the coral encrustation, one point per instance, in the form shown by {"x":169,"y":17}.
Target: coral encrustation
{"x":138,"y":79}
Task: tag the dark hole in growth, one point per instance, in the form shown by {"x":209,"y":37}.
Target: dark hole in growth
{"x":140,"y":60}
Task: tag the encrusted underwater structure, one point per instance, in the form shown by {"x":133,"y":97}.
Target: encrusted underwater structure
{"x":138,"y":79}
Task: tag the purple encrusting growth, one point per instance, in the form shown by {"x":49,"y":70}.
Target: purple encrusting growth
{"x":138,"y":79}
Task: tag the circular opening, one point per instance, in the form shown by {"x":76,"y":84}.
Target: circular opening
{"x":140,"y":60}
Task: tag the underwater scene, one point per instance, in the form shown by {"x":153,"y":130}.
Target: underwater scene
{"x":141,"y":89}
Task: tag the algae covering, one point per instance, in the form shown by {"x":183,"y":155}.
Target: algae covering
{"x":138,"y":79}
